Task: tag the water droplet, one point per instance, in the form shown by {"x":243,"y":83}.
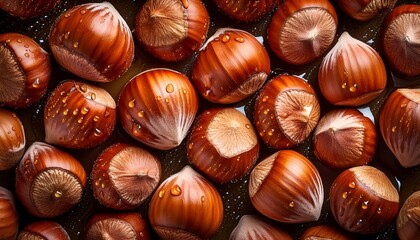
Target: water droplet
{"x":291,"y":204}
{"x":403,"y":105}
{"x":83,"y":11}
{"x":365,"y":205}
{"x":64,"y":100}
{"x":131,"y":103}
{"x":265,"y":98}
{"x":262,"y":133}
{"x":67,"y":35}
{"x":394,"y":128}
{"x":35,"y":84}
{"x":67,"y":15}
{"x":352,"y":185}
{"x":97,"y":183}
{"x":379,"y":211}
{"x":344,"y":195}
{"x":353,"y":88}
{"x":80,"y":120}
{"x":190,"y":146}
{"x":58,"y":194}
{"x":225,"y":38}
{"x":167,"y":100}
{"x":76,"y":44}
{"x":96,"y":118}
{"x":207,"y":93}
{"x":284,"y":115}
{"x":103,"y":185}
{"x":266,"y":111}
{"x":75,"y":111}
{"x":26,"y":55}
{"x":216,"y":39}
{"x":360,"y":222}
{"x":158,"y":98}
{"x":344,"y":85}
{"x":85,"y":110}
{"x":271,"y":132}
{"x":247,"y":126}
{"x":202,"y":199}
{"x":8,"y":41}
{"x":161,"y":193}
{"x":83,"y":88}
{"x":184,"y":91}
{"x":98,"y":132}
{"x":65,"y":112}
{"x":93,"y":96}
{"x":240,"y":39}
{"x":19,"y":40}
{"x":136,"y":130}
{"x":170,"y":88}
{"x":140,"y":114}
{"x":176,"y":190}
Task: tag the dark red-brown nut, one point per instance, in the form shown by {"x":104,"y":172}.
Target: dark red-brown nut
{"x":79,"y":115}
{"x":49,"y":181}
{"x":252,"y":227}
{"x":45,"y":230}
{"x":128,"y":225}
{"x":25,"y":70}
{"x":401,"y":39}
{"x":408,"y":221}
{"x":231,"y":66}
{"x":246,"y":10}
{"x":325,"y":232}
{"x":399,"y":122}
{"x":223,"y":144}
{"x":157,"y":107}
{"x":365,"y":10}
{"x":123,"y":176}
{"x":186,"y":206}
{"x":28,"y":9}
{"x":286,"y":111}
{"x":302,"y":31}
{"x":363,"y":200}
{"x":352,"y":73}
{"x":287,"y":187}
{"x":172,"y":30}
{"x":93,"y":41}
{"x":8,"y":215}
{"x":344,"y":138}
{"x":12,"y":139}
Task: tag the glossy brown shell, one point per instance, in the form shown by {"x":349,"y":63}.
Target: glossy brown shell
{"x":124,"y":176}
{"x":363,"y":200}
{"x":255,"y":227}
{"x":301,"y":31}
{"x":365,"y":10}
{"x":399,"y":123}
{"x":49,"y":181}
{"x":12,"y":139}
{"x":157,"y":107}
{"x":223,"y":144}
{"x":77,"y":42}
{"x":125,"y":225}
{"x":25,"y":70}
{"x":28,"y":9}
{"x":246,"y":10}
{"x":47,"y":230}
{"x":287,"y":187}
{"x":286,"y":111}
{"x":401,"y":41}
{"x":344,"y":138}
{"x":231,"y":66}
{"x":172,"y":30}
{"x":352,"y":73}
{"x":79,"y":115}
{"x":183,"y":200}
{"x":9,"y":216}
